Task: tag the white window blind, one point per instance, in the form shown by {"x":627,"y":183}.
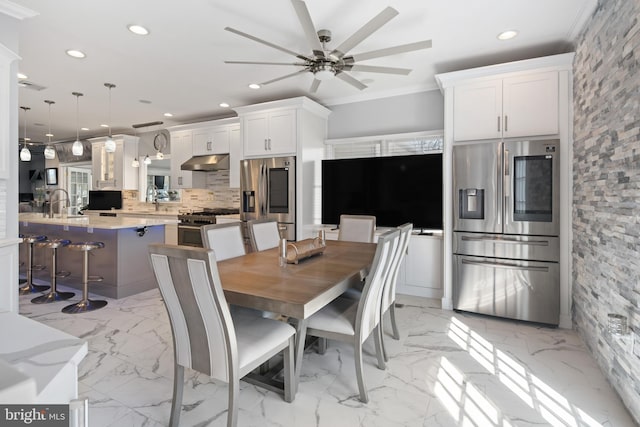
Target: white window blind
{"x":391,"y":145}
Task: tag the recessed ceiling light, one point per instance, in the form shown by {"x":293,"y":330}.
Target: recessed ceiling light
{"x":168,"y":115}
{"x":138,"y":29}
{"x":507,"y":35}
{"x":104,"y":126}
{"x":254,"y":86}
{"x":224,"y":105}
{"x":22,"y":76}
{"x":75,"y":53}
{"x":84,"y":128}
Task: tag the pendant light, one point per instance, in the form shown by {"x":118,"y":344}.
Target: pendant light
{"x":147,"y":160}
{"x":77,"y":148}
{"x":109,"y":144}
{"x":135,"y":163}
{"x":25,"y":154}
{"x":49,"y":151}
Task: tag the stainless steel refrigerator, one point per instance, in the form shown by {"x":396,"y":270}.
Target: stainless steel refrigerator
{"x":506,"y":229}
{"x":268,"y":191}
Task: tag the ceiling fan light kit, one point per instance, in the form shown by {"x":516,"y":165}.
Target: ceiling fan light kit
{"x":324,"y":63}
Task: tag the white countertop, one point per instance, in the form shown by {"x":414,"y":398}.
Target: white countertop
{"x":38,"y":352}
{"x":152,"y":213}
{"x":99,"y":222}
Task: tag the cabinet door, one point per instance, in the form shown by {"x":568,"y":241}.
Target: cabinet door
{"x":235,"y":156}
{"x":477,"y":111}
{"x":181,"y":149}
{"x":220,"y":140}
{"x":202,"y":142}
{"x":422,"y":268}
{"x":530,"y":105}
{"x":282,"y":132}
{"x":255,"y":134}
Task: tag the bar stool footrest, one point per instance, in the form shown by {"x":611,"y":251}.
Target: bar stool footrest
{"x":63,"y":273}
{"x":38,"y":267}
{"x":95,"y":278}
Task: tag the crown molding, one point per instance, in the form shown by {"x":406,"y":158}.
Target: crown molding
{"x":15,"y":10}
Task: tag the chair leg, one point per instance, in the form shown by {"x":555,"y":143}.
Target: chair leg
{"x":232,"y":413}
{"x":364,"y":397}
{"x":394,"y":325}
{"x":289,"y":374}
{"x":385,"y":356}
{"x":322,"y":345}
{"x":176,"y":402}
{"x":377,"y":338}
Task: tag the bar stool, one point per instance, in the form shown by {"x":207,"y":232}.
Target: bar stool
{"x":53,"y":295}
{"x":85,"y":304}
{"x":29,"y":287}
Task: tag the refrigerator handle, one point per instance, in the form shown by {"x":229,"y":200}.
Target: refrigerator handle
{"x":506,"y":185}
{"x":264,"y":190}
{"x":505,"y":265}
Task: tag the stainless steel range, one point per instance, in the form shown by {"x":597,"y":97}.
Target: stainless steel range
{"x":190,"y":224}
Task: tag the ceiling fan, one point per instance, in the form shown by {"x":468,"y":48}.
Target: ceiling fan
{"x":324,"y":63}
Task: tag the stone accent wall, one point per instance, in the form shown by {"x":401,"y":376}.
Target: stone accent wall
{"x":606,"y":185}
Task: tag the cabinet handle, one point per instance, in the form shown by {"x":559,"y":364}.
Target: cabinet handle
{"x":506,"y":124}
{"x":179,"y":180}
{"x":208,"y":145}
{"x":269,"y":143}
{"x":265,"y":144}
{"x":498,"y":123}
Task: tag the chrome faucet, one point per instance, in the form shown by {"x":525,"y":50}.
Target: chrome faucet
{"x":154,"y":196}
{"x":51,"y":201}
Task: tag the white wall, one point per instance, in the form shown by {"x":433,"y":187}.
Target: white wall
{"x":398,"y":114}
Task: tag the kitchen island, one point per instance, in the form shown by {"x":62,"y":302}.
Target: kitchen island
{"x":123,"y":262}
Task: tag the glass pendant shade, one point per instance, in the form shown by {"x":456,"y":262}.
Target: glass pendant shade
{"x":49,"y":152}
{"x":147,"y":160}
{"x":25,"y":154}
{"x":135,"y":163}
{"x":77,"y":149}
{"x":159,"y":156}
{"x":110,"y":145}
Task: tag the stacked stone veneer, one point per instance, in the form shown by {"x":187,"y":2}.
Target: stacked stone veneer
{"x":606,"y":185}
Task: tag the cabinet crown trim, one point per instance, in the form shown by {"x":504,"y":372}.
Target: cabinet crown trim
{"x":559,"y":62}
{"x":299,"y":102}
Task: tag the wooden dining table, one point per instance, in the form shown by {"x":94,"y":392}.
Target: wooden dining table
{"x":256,"y":280}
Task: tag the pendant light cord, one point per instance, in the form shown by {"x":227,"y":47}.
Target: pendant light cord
{"x":24,"y":139}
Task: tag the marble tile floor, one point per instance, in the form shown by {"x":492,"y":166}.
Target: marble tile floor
{"x":447,"y":369}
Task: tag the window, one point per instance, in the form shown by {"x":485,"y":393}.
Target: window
{"x":78,"y":187}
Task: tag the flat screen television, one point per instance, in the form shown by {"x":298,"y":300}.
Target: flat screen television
{"x":105,"y":200}
{"x":395,"y":189}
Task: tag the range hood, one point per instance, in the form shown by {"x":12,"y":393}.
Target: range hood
{"x":206,"y":163}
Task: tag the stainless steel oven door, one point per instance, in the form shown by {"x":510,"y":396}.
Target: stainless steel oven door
{"x":513,"y":289}
{"x":189,"y":235}
{"x":531,"y":187}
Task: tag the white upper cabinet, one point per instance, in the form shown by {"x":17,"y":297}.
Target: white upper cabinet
{"x":235,"y":156}
{"x":113,"y":170}
{"x":213,"y":140}
{"x":523,"y":105}
{"x":270,"y":133}
{"x":181,"y":151}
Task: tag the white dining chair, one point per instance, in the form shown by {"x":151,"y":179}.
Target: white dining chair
{"x":207,"y":337}
{"x":263,"y":234}
{"x":389,"y":290}
{"x":357,"y":228}
{"x":348,"y":320}
{"x":225,"y":239}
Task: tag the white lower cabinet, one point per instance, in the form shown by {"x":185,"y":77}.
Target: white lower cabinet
{"x":421,"y":272}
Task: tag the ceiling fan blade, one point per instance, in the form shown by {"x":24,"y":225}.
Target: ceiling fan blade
{"x":264,"y":42}
{"x":309,"y":29}
{"x":375,"y":69}
{"x":302,"y":64}
{"x":352,"y":81}
{"x":367,"y":29}
{"x":304,"y":70}
{"x":425,"y":44}
{"x":314,"y":85}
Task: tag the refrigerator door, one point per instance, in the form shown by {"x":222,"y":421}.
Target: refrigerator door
{"x":251,"y":194}
{"x":531,"y":187}
{"x":477,"y":183}
{"x":513,"y":289}
{"x":280,"y":190}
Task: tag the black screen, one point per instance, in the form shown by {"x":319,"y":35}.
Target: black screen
{"x":105,"y":200}
{"x":395,"y":189}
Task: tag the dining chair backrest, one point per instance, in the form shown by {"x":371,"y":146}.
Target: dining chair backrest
{"x":264,"y":234}
{"x":203,"y":332}
{"x":389,"y":290}
{"x":368,"y":314}
{"x":225,"y":239}
{"x":357,"y":228}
